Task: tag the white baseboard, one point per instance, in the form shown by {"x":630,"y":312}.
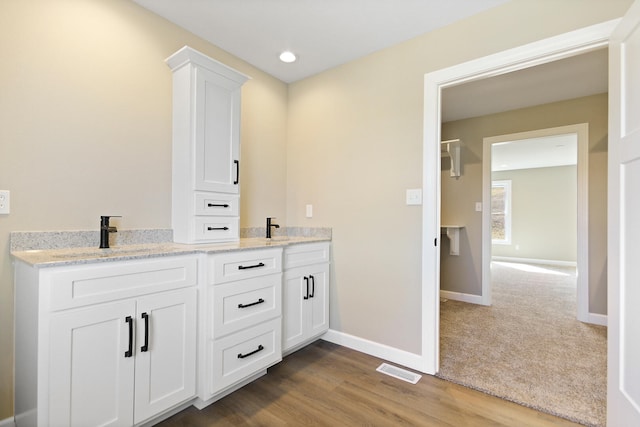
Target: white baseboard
{"x":382,"y":351}
{"x":8,"y":422}
{"x":535,"y":261}
{"x":458,"y":296}
{"x":597,"y":319}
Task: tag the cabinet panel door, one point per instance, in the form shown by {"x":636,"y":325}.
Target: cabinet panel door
{"x":90,"y":379}
{"x":319,"y":300}
{"x":166,"y":369}
{"x":294,"y":308}
{"x":217,"y":133}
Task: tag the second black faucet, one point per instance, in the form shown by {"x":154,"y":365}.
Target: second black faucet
{"x":105,"y":229}
{"x":269,"y":225}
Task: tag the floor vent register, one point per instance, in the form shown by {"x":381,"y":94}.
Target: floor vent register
{"x":399,"y":373}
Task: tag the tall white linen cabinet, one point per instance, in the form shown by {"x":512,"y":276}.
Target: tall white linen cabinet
{"x":206,"y":148}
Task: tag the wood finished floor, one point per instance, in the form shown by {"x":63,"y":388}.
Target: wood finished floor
{"x":328,"y":385}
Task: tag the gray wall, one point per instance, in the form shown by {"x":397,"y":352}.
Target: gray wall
{"x":463,"y":273}
{"x":543,"y":211}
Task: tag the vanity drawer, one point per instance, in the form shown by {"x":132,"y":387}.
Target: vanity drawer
{"x":217,"y":204}
{"x":213,"y":228}
{"x":306,"y":254}
{"x":239,"y":305}
{"x":244,"y":353}
{"x":77,"y":286}
{"x":241,"y":265}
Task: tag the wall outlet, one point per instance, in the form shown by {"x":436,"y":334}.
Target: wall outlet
{"x":4,"y":202}
{"x":309,"y":211}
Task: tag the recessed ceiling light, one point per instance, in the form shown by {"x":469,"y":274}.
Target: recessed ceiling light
{"x":288,"y":56}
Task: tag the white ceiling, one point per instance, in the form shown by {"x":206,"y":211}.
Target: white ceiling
{"x":327,"y":33}
{"x":550,"y":151}
{"x":323,"y":33}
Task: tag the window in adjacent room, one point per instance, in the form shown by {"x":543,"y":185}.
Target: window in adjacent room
{"x":501,"y":212}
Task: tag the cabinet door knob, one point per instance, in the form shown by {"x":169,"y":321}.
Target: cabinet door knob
{"x":242,"y":356}
{"x":246,"y":267}
{"x":313,"y":286}
{"x":145,"y":347}
{"x":260,"y":301}
{"x":237,"y":180}
{"x":129,"y":352}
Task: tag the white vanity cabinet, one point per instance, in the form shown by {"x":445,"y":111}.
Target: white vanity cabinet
{"x":206,"y":148}
{"x":305,"y":294}
{"x":110,"y":344}
{"x":241,"y":324}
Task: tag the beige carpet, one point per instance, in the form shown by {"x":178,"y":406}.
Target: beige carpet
{"x":528,"y":346}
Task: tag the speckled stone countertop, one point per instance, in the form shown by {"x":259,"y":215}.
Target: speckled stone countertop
{"x":25,"y":248}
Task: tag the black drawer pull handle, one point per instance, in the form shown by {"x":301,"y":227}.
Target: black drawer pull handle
{"x":260,"y":301}
{"x":129,"y":352}
{"x":242,"y":356}
{"x":237,"y":163}
{"x":217,"y":228}
{"x":217,"y":205}
{"x":246,"y":267}
{"x":145,"y":347}
{"x":313,"y":286}
{"x":306,"y":280}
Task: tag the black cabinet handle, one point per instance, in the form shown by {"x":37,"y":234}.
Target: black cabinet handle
{"x":237,"y":163}
{"x":217,"y":228}
{"x":313,"y":286}
{"x":306,"y":280}
{"x":217,"y":205}
{"x":242,"y":356}
{"x":260,"y":301}
{"x":145,"y":347}
{"x":246,"y":267}
{"x":129,"y":352}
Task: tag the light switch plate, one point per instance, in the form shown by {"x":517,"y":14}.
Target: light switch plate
{"x":5,"y":198}
{"x":309,"y":211}
{"x":414,"y":196}
{"x":478,"y":206}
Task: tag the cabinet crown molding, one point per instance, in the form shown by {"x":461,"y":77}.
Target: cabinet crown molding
{"x":188,"y":55}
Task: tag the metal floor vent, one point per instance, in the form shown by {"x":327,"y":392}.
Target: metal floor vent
{"x":399,"y":373}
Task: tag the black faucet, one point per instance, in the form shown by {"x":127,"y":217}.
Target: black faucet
{"x":269,"y":225}
{"x":105,"y":229}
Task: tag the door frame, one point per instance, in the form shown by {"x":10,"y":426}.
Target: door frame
{"x":559,"y":47}
{"x":581,"y":131}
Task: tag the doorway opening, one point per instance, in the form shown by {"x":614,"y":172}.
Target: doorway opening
{"x":533,"y":150}
{"x":545,"y":51}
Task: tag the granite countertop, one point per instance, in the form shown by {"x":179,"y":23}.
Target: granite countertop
{"x":55,"y":257}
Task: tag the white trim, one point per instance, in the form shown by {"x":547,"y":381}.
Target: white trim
{"x":8,"y":422}
{"x":382,"y":351}
{"x":597,"y":319}
{"x":459,"y":296}
{"x":541,"y":52}
{"x":581,"y":131}
{"x":538,"y":261}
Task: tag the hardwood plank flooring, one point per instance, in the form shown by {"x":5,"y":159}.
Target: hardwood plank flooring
{"x":328,"y":385}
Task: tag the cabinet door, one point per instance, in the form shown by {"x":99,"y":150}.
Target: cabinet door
{"x":318,"y":299}
{"x":90,"y":377}
{"x":293,"y":309}
{"x":305,"y":304}
{"x":217,"y":133}
{"x":165,"y":373}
